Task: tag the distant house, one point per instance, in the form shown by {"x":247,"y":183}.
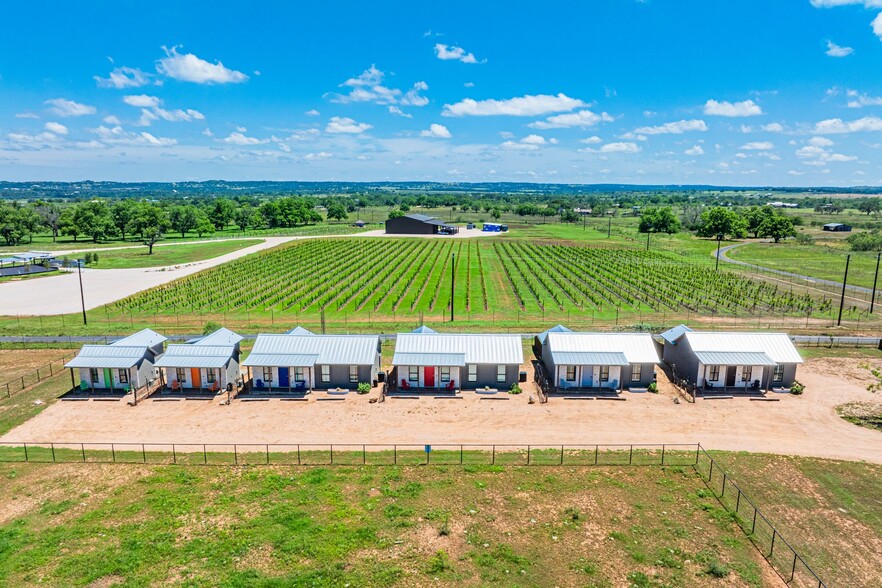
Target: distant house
{"x":734,"y":360}
{"x":418,"y":224}
{"x":586,"y":361}
{"x":119,"y":367}
{"x":837,"y":227}
{"x":300,"y":362}
{"x":442,"y":361}
{"x":209,"y":363}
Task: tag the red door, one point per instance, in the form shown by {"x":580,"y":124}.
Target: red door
{"x":429,"y":377}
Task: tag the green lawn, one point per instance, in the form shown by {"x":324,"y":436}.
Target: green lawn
{"x":166,"y":254}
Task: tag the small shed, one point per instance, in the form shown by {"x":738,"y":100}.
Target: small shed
{"x":837,"y":227}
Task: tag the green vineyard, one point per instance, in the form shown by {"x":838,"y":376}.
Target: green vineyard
{"x":399,"y":277}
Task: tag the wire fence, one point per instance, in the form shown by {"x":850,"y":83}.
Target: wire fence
{"x":28,"y":380}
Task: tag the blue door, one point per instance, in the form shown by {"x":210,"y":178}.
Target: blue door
{"x":587,"y":375}
{"x":283,"y":377}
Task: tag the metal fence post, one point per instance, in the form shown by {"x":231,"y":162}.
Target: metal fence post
{"x":235,"y":454}
{"x":113,"y":453}
{"x":395,"y":455}
{"x":663,"y":455}
{"x":596,"y":453}
{"x":332,"y":454}
{"x":753,"y":525}
{"x":631,"y":456}
{"x":143,"y":453}
{"x":738,"y":500}
{"x":204,"y":455}
{"x":493,"y":457}
{"x":725,"y":476}
{"x":772,"y":550}
{"x":363,"y":454}
{"x":697,"y":450}
{"x":26,"y":451}
{"x":793,"y":569}
{"x":174,"y":454}
{"x":267,"y":454}
{"x":53,"y":452}
{"x":298,"y":454}
{"x":460,"y":455}
{"x":711,"y":474}
{"x":528,"y":455}
{"x":561,"y":454}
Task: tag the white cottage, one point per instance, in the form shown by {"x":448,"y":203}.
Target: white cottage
{"x":119,"y":367}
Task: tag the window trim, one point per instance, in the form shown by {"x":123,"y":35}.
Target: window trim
{"x":123,"y":376}
{"x":326,"y":373}
{"x":746,"y":373}
{"x":473,"y":372}
{"x":210,"y":375}
{"x":713,"y":373}
{"x":413,"y":373}
{"x":444,"y":372}
{"x":93,"y":375}
{"x":778,"y":373}
{"x":299,"y":374}
{"x":604,"y":373}
{"x":267,"y":379}
{"x":568,"y":377}
{"x":353,"y":374}
{"x":501,"y":374}
{"x":178,"y":375}
{"x":636,"y":372}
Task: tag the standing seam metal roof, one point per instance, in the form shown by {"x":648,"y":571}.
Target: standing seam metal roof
{"x":197,"y":356}
{"x":220,"y":337}
{"x":329,"y":349}
{"x":107,"y":356}
{"x":734,"y":358}
{"x":777,"y":346}
{"x":589,"y":358}
{"x":636,"y":347}
{"x":146,"y":337}
{"x":476,"y":348}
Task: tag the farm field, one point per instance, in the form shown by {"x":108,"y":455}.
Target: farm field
{"x":369,"y":526}
{"x":172,"y":254}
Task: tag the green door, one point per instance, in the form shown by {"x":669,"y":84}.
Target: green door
{"x":108,"y":378}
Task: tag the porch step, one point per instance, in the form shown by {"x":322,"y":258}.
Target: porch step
{"x":719,"y":397}
{"x":765,"y":399}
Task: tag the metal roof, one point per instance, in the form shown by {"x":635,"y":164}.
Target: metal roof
{"x":280,"y":360}
{"x":589,"y":358}
{"x":636,"y":347}
{"x":675,"y":333}
{"x":420,"y":217}
{"x":220,"y":337}
{"x":423,"y":329}
{"x":558,"y":329}
{"x":107,"y":356}
{"x":777,"y":346}
{"x":476,"y":348}
{"x":196,"y":356}
{"x":146,"y":338}
{"x":438,"y":359}
{"x":734,"y":358}
{"x":328,"y":349}
{"x":298,"y":330}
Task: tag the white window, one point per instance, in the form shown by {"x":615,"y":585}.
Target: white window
{"x":298,"y":374}
{"x":210,"y":376}
{"x":604,"y":373}
{"x":636,"y":372}
{"x":326,"y":373}
{"x":500,"y":373}
{"x":713,"y":373}
{"x":93,"y":375}
{"x":123,"y":376}
{"x":473,"y":373}
{"x":413,"y":373}
{"x":353,"y":374}
{"x":571,"y":373}
{"x":746,"y":373}
{"x":778,"y":374}
{"x":180,"y":375}
{"x":268,"y":375}
{"x":445,"y":374}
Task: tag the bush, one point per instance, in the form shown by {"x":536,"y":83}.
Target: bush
{"x":515,"y":389}
{"x":797,"y":387}
{"x":653,"y":387}
{"x":717,"y":570}
{"x":438,"y":563}
{"x":804,"y":239}
{"x":364,"y":387}
{"x":210,"y":327}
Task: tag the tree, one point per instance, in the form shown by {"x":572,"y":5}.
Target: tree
{"x":756,"y":216}
{"x":50,"y":214}
{"x":337,"y":211}
{"x":722,"y":221}
{"x":245,"y":217}
{"x":777,"y":226}
{"x":223,"y":213}
{"x":122,"y":214}
{"x":93,"y":219}
{"x":866,"y":241}
{"x":496,"y":213}
{"x":14,"y":224}
{"x":870,"y":205}
{"x":405,"y":207}
{"x":183,"y":218}
{"x":204,"y":226}
{"x":67,"y":225}
{"x":396,"y":213}
{"x":659,"y":220}
{"x":151,"y":222}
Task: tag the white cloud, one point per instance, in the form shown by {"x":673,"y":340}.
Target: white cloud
{"x":832,"y":3}
{"x":207,"y":132}
{"x":582,"y":119}
{"x":111,"y":119}
{"x":28,"y":141}
{"x":142,"y":101}
{"x":858,"y":100}
{"x":672,"y":128}
{"x":793,"y":172}
{"x":312,"y":112}
{"x":241,"y":129}
{"x":437,"y":131}
{"x":26,"y":115}
{"x":758,"y":146}
{"x":118,"y":136}
{"x":818,"y":156}
{"x":621,"y":148}
{"x":57,"y":128}
{"x":837,"y":125}
{"x":342,"y":124}
{"x":396,"y":110}
{"x":317,"y":156}
{"x":63,"y":107}
{"x":451,"y":52}
{"x":368,"y":87}
{"x":820,"y":142}
{"x":877,"y":25}
{"x":834,"y":50}
{"x":592,"y":140}
{"x":527,"y":105}
{"x":534,"y":140}
{"x":773,"y":128}
{"x":413,"y":98}
{"x":237,"y":138}
{"x":732,"y":109}
{"x":151,"y":110}
{"x":189,"y":68}
{"x":123,"y":77}
{"x":696,"y":150}
{"x":519,"y":146}
{"x":469,"y":84}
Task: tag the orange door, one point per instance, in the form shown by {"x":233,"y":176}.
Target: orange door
{"x":195,"y":377}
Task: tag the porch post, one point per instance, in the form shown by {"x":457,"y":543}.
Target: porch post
{"x":72,"y":386}
{"x":248,"y":372}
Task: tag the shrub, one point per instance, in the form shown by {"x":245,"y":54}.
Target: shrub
{"x":804,"y":239}
{"x":515,"y":389}
{"x":364,"y":387}
{"x":438,"y":563}
{"x":210,"y":327}
{"x":797,"y":387}
{"x":653,"y":387}
{"x":717,"y":570}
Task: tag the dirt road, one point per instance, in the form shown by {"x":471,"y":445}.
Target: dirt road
{"x":797,"y":425}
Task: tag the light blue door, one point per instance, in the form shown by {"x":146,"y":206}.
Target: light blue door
{"x":587,"y":375}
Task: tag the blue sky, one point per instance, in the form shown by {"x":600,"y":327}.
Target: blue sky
{"x":782,"y":92}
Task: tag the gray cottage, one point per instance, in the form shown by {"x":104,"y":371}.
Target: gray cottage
{"x":205,"y":364}
{"x":596,"y":361}
{"x":732,"y":361}
{"x":449,"y":362}
{"x":126,"y":364}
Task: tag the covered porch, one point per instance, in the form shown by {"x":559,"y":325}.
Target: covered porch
{"x":734,"y":372}
{"x":296,"y":376}
{"x":105,"y":381}
{"x":589,"y":372}
{"x":193,"y":380}
{"x":427,"y":372}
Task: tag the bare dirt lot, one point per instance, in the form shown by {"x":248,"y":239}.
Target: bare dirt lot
{"x":795,"y":425}
{"x":15,"y":363}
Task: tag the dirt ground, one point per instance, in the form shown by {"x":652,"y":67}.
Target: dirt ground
{"x":795,"y":425}
{"x":15,"y":363}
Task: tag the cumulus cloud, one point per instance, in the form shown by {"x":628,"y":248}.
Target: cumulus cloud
{"x":318,"y":156}
{"x":312,"y":112}
{"x":142,"y":101}
{"x":834,"y":50}
{"x":437,"y":131}
{"x":342,"y":124}
{"x":118,"y":136}
{"x":237,"y":138}
{"x":758,"y":146}
{"x":671,"y":128}
{"x":732,"y":109}
{"x":696,"y":150}
{"x":111,"y":119}
{"x":453,"y":53}
{"x":64,"y":107}
{"x":838,"y":126}
{"x":582,"y":119}
{"x":368,"y":87}
{"x":187,"y":67}
{"x":26,"y":115}
{"x":124,"y":77}
{"x":623,"y":147}
{"x":519,"y":146}
{"x":820,"y":142}
{"x":57,"y":128}
{"x":527,"y":105}
{"x":859,"y":100}
{"x":592,"y":140}
{"x":151,"y":110}
{"x":817,"y":156}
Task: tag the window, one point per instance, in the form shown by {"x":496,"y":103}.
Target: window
{"x":326,"y":373}
{"x":445,"y":374}
{"x":746,"y":373}
{"x":180,"y":375}
{"x":778,"y":374}
{"x":473,"y":373}
{"x":93,"y":375}
{"x":500,"y":373}
{"x":713,"y":373}
{"x":636,"y":372}
{"x":604,"y":373}
{"x":210,"y":376}
{"x":298,"y":374}
{"x":413,"y":373}
{"x":571,"y":373}
{"x":353,"y":374}
{"x":123,"y":376}
{"x":267,"y":375}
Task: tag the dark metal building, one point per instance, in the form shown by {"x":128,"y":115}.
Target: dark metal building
{"x":418,"y":224}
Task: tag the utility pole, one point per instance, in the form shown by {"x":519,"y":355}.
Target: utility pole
{"x":82,"y":296}
{"x":844,"y":283}
{"x":647,"y":240}
{"x":875,"y":281}
{"x":452,"y":284}
{"x":609,"y":228}
{"x":719,"y":241}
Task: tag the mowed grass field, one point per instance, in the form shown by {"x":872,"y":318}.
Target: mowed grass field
{"x":175,"y":254}
{"x":93,"y":525}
